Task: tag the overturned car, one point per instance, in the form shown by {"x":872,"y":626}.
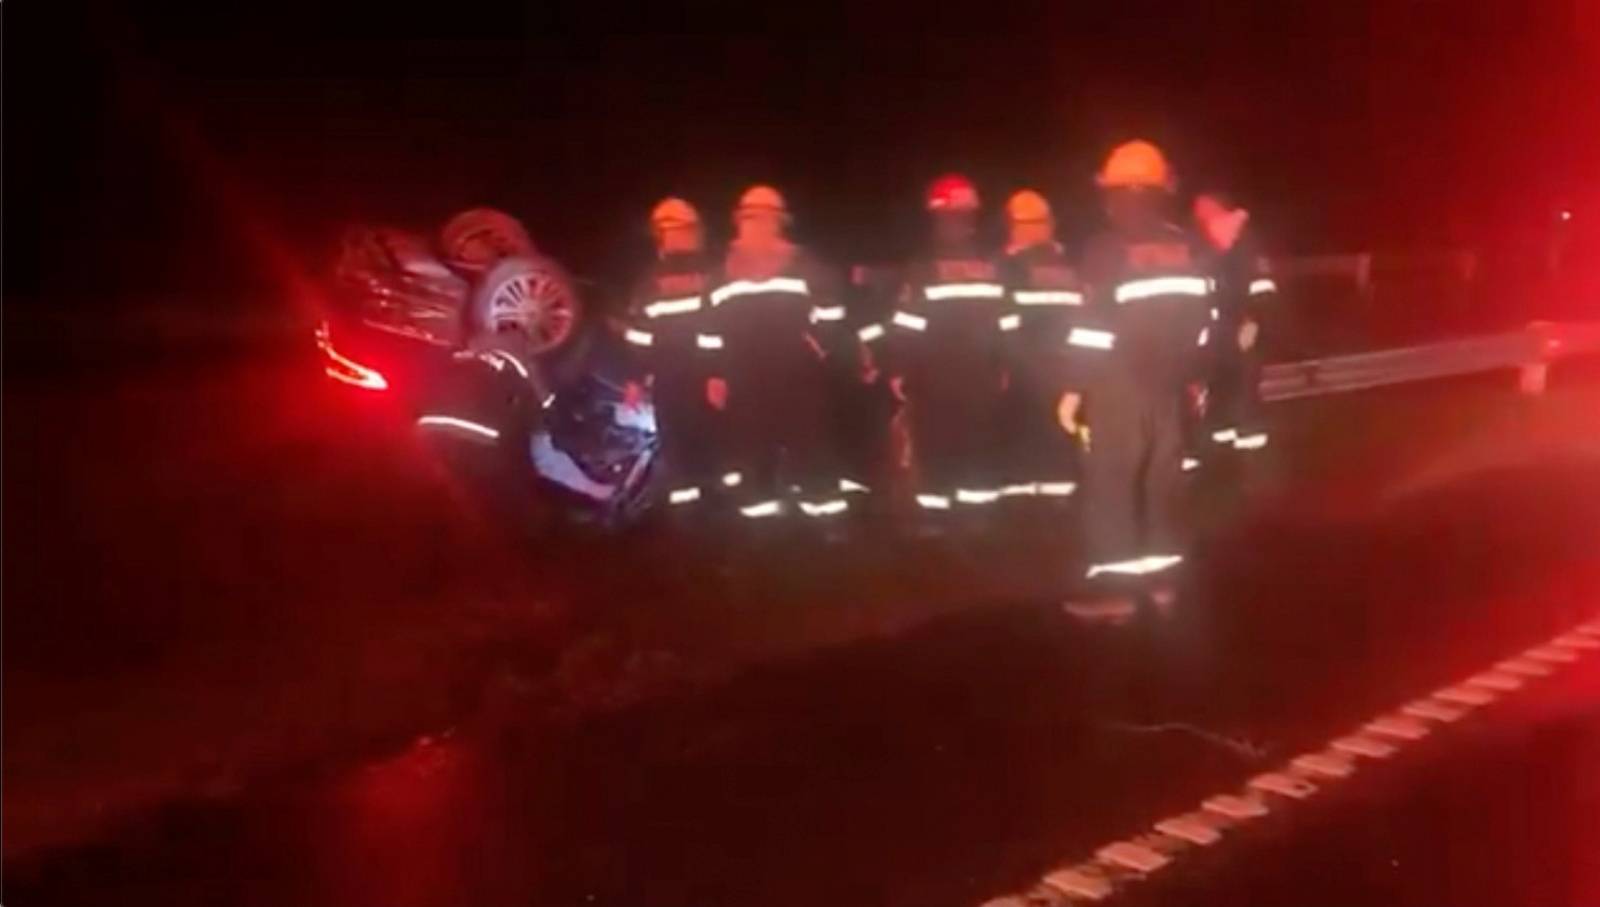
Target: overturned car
{"x":486,"y":346}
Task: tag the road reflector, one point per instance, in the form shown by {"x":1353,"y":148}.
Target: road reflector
{"x":1524,"y":667}
{"x":1133,"y":856}
{"x":1434,"y":710}
{"x":1401,"y":726}
{"x":1551,"y":654}
{"x":1235,"y":807}
{"x":1362,"y":745}
{"x":1328,"y":765}
{"x":1575,"y":641}
{"x":1465,"y":695}
{"x":1085,"y":881}
{"x":1283,"y":785}
{"x":1191,"y":827}
{"x":1495,"y":680}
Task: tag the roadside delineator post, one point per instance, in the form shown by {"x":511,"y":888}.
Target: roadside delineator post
{"x":1533,"y":375}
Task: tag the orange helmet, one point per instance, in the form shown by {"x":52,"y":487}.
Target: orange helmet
{"x":952,"y":192}
{"x":761,"y":198}
{"x":1135,"y":165}
{"x":673,"y":213}
{"x":1027,"y":206}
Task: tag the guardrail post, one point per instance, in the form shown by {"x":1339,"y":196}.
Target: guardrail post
{"x":1534,"y":374}
{"x":1364,"y":274}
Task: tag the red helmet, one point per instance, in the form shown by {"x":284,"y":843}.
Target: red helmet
{"x":952,"y":192}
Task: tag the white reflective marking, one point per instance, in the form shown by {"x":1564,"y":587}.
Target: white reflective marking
{"x":1250,"y":442}
{"x":731,"y":479}
{"x":1205,"y":337}
{"x":1098,"y":881}
{"x":1495,"y":680}
{"x":708,"y":341}
{"x":1433,"y":710}
{"x":638,"y":337}
{"x":1190,"y":464}
{"x":1092,"y":339}
{"x":1547,"y":653}
{"x":683,"y":495}
{"x":1192,"y":828}
{"x":977,"y":495}
{"x":1057,"y":489}
{"x":1086,"y":882}
{"x":933,"y":501}
{"x":462,"y":424}
{"x":1225,"y":435}
{"x":1262,"y":285}
{"x":1138,"y":566}
{"x":1404,"y":727}
{"x":753,"y":287}
{"x":1130,"y":855}
{"x":1235,"y":807}
{"x":763,"y":509}
{"x":1282,"y":785}
{"x":850,"y":485}
{"x":963,"y":291}
{"x":1162,"y":286}
{"x":1021,"y":488}
{"x":824,"y":508}
{"x":1329,"y":765}
{"x":1215,"y":315}
{"x":827,"y":313}
{"x":870,"y":333}
{"x":1363,"y":745}
{"x":1010,"y":322}
{"x":680,"y":306}
{"x":1465,"y":695}
{"x":1047,"y":297}
{"x":908,"y":320}
{"x":1524,"y":667}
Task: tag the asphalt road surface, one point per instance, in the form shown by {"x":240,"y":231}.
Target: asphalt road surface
{"x":258,"y":654}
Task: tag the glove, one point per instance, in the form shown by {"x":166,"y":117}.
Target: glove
{"x":717,"y":393}
{"x":1067,"y":412}
{"x":1248,"y":331}
{"x":897,"y":386}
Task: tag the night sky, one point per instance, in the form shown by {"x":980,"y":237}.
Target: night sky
{"x":171,"y":147}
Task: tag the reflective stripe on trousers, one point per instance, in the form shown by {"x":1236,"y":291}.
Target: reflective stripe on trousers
{"x":982,"y":290}
{"x":683,"y":495}
{"x":761,"y":509}
{"x":1149,"y":287}
{"x":1138,"y":566}
{"x":827,"y":507}
{"x":738,"y":288}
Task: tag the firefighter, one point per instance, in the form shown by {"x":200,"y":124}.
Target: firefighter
{"x":772,"y":315}
{"x":945,"y":355}
{"x":667,"y":309}
{"x":1243,"y":282}
{"x":1150,"y":324}
{"x":1045,"y":300}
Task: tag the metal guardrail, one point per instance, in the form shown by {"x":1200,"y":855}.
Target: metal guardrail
{"x":1529,"y":350}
